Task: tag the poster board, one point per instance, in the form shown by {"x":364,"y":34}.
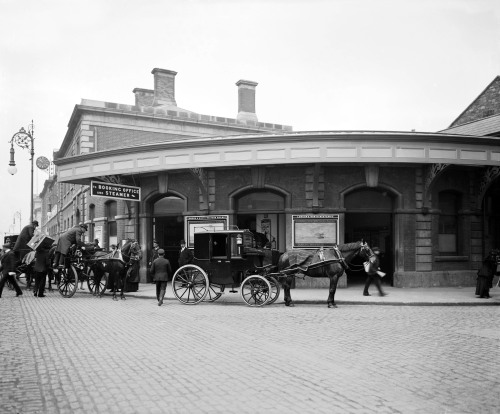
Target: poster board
{"x":195,"y":224}
{"x":314,"y":230}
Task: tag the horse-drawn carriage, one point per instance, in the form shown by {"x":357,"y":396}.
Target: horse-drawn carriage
{"x":229,"y":258}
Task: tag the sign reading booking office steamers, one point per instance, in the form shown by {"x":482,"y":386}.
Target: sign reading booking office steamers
{"x":119,"y":191}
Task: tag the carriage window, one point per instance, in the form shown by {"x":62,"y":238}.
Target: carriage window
{"x":219,"y":245}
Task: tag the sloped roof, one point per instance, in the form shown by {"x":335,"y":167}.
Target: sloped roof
{"x":488,"y":102}
{"x":489,"y":126}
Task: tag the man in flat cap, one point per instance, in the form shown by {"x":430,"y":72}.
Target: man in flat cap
{"x":72,"y":236}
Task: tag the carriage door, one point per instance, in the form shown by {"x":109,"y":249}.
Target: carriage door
{"x":168,"y":227}
{"x":369,"y":217}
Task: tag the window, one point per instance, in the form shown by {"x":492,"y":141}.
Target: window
{"x":111,"y":209}
{"x":449,"y":204}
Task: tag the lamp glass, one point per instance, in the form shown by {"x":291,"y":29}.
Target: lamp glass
{"x":12,"y":169}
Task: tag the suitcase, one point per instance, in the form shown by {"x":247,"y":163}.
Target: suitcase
{"x":40,"y":241}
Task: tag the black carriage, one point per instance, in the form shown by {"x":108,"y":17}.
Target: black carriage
{"x":77,"y":268}
{"x":227,"y":259}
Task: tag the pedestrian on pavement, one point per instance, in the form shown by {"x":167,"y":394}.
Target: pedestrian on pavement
{"x":372,"y":274}
{"x":96,"y":244}
{"x":72,"y":236}
{"x":185,"y":255}
{"x":42,"y":264}
{"x":485,"y":275}
{"x":21,"y":247}
{"x":153,"y":255}
{"x":162,"y":273}
{"x":8,"y":263}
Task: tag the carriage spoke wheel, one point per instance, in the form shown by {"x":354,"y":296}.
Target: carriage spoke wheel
{"x":96,"y":286}
{"x":190,"y":284}
{"x":275,"y":290}
{"x":69,"y":281}
{"x":255,"y":290}
{"x":214,"y":292}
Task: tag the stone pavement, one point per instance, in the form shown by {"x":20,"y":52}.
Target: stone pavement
{"x":89,"y":355}
{"x":437,"y":296}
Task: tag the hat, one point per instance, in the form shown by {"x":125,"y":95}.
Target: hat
{"x":375,"y":249}
{"x":6,"y":246}
{"x":113,"y":246}
{"x":35,"y":222}
{"x":161,"y":251}
{"x":154,"y":241}
{"x":182,"y":242}
{"x":84,"y":226}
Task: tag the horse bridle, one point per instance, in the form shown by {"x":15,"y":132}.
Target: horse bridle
{"x":347,"y":266}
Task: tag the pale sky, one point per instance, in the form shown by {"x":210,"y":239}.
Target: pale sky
{"x":386,"y":65}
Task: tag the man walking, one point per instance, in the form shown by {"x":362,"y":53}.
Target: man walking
{"x":9,"y":269}
{"x":162,"y":273}
{"x":372,"y":273}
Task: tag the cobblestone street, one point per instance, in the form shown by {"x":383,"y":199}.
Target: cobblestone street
{"x":89,"y":355}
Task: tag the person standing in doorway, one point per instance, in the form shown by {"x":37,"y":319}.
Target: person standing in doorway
{"x":162,"y":273}
{"x":372,"y":273}
{"x":185,"y":255}
{"x":21,"y":247}
{"x":485,"y":275}
{"x":9,"y":269}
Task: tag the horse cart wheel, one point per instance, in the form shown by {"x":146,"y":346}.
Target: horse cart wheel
{"x":214,"y":292}
{"x":190,"y":284}
{"x":95,"y":286}
{"x":68,"y":282}
{"x":255,"y":290}
{"x":275,"y":290}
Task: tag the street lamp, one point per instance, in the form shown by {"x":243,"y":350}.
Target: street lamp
{"x":25,"y":140}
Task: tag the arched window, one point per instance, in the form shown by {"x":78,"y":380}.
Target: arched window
{"x":111,"y":209}
{"x":449,"y":204}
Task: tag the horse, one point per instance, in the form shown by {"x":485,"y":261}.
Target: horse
{"x":310,"y":264}
{"x":112,"y":263}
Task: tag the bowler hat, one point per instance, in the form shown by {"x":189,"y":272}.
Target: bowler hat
{"x":83,"y":225}
{"x":161,"y":251}
{"x":6,"y":246}
{"x":375,"y":249}
{"x":35,"y":222}
{"x":182,"y":242}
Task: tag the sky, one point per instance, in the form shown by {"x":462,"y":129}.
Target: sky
{"x":378,"y":65}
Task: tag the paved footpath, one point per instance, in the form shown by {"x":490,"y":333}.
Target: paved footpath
{"x":90,"y":355}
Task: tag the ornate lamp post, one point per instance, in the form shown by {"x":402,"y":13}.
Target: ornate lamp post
{"x":25,"y":140}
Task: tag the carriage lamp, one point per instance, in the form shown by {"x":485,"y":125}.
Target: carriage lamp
{"x":239,"y":240}
{"x":23,"y":139}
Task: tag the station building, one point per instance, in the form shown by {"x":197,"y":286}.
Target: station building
{"x":152,"y":170}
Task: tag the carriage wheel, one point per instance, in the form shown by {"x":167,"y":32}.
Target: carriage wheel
{"x":255,"y":290}
{"x":93,"y":284}
{"x":214,"y":292}
{"x":275,"y":290}
{"x":190,"y":284}
{"x":69,"y":281}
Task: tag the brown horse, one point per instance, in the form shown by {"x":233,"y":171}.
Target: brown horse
{"x":329,"y":263}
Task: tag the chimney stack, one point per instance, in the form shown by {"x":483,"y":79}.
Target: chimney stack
{"x":144,"y":97}
{"x":164,"y":93}
{"x":246,"y":100}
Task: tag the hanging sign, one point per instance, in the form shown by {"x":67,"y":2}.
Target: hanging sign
{"x":118,"y":191}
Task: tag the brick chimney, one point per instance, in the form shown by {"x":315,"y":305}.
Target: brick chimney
{"x":164,"y":93}
{"x":144,"y":97}
{"x":246,"y":100}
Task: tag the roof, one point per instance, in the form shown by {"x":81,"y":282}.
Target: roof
{"x":489,"y":126}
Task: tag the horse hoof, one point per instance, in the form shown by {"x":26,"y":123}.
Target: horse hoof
{"x":332,"y":305}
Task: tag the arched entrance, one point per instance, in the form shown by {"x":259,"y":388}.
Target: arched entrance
{"x":168,"y":226}
{"x":262,"y":212}
{"x":369,"y":216}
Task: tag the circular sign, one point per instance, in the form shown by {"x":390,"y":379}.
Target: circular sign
{"x":42,"y":163}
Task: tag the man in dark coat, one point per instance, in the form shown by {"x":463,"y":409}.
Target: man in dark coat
{"x":485,"y":275}
{"x":21,"y":247}
{"x":152,"y":257}
{"x":72,"y":236}
{"x":162,"y":273}
{"x":9,"y":269}
{"x":185,"y":255}
{"x":42,"y":263}
{"x":372,"y":273}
